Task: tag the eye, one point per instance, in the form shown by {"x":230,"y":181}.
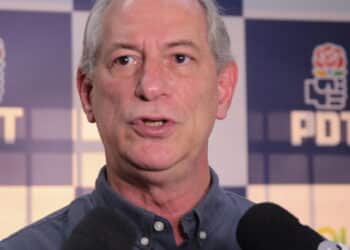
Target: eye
{"x":181,"y":58}
{"x":125,"y":60}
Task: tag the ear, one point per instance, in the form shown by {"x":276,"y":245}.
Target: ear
{"x":227,"y":80}
{"x":85,"y":87}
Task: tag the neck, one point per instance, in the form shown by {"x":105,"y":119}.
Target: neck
{"x":170,"y":198}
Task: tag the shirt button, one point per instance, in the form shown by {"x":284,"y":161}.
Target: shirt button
{"x":158,"y":226}
{"x":202,"y":235}
{"x":144,"y":241}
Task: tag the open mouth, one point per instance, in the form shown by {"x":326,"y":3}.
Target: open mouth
{"x":153,"y":127}
{"x":154,"y":123}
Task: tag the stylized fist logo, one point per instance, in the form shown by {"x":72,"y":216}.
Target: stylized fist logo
{"x":2,"y":69}
{"x":326,"y":93}
{"x":328,"y":89}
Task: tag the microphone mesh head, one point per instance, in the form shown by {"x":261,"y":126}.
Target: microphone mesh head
{"x":267,"y":226}
{"x":102,"y":228}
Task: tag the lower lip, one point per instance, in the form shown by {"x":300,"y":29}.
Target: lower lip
{"x":157,"y":132}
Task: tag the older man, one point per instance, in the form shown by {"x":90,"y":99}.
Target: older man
{"x":154,"y":76}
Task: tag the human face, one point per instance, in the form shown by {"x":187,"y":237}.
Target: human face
{"x":155,"y":91}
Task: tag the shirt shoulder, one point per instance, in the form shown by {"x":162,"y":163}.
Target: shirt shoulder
{"x":240,"y":202}
{"x":52,"y":230}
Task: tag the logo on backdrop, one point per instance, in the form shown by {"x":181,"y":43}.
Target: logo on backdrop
{"x":8,"y":115}
{"x":2,"y":69}
{"x":327,"y":92}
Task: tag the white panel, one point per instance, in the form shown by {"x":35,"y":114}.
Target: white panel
{"x":228,"y":143}
{"x":335,"y":10}
{"x":37,"y":5}
{"x":47,"y":199}
{"x":257,"y":193}
{"x":13,"y":214}
{"x":295,"y":198}
{"x":300,"y":15}
{"x":332,"y":208}
{"x":91,"y":165}
{"x":89,"y":132}
{"x":78,"y":25}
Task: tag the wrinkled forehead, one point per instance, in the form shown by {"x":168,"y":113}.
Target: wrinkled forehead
{"x":139,"y":7}
{"x":125,"y":4}
{"x":157,"y":20}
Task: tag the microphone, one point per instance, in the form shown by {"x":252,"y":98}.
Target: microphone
{"x":267,"y":226}
{"x":104,"y":229}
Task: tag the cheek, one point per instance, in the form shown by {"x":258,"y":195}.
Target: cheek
{"x":207,"y":93}
{"x":111,"y":93}
{"x":199,"y":99}
{"x":108,"y":100}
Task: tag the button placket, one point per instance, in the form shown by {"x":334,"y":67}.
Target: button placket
{"x":144,"y":241}
{"x":202,"y":235}
{"x":159,"y":226}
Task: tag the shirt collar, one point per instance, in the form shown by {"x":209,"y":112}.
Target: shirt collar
{"x":107,"y":197}
{"x":212,"y":206}
{"x":201,"y":218}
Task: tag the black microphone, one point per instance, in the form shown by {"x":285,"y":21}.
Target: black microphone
{"x":102,"y":229}
{"x":267,"y":226}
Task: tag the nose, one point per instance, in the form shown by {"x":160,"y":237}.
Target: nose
{"x":152,"y":84}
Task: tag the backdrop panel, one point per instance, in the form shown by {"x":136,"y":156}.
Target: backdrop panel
{"x":286,"y":138}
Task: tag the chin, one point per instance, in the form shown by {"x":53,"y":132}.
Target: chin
{"x":152,"y":155}
{"x":150,"y":164}
{"x":154,"y":160}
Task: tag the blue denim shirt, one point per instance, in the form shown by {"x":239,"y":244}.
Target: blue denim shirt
{"x":211,"y":225}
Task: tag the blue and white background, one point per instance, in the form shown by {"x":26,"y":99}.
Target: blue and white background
{"x":280,"y":142}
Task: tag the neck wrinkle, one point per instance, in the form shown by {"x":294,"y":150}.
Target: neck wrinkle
{"x":170,"y":199}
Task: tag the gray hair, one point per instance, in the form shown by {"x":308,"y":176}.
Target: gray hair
{"x":218,"y":37}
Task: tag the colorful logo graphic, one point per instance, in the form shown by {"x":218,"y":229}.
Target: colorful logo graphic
{"x":2,"y":69}
{"x":334,"y":234}
{"x":328,"y":89}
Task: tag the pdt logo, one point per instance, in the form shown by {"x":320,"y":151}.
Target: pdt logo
{"x":2,"y":69}
{"x":327,"y":92}
{"x":328,"y":89}
{"x":8,"y":115}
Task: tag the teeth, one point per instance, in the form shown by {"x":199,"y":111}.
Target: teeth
{"x":154,"y":123}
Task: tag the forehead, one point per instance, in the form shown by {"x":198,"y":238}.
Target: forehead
{"x":124,"y":6}
{"x":165,"y":16}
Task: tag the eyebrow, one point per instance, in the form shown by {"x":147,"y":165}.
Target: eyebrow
{"x":122,"y":45}
{"x":130,"y":46}
{"x":186,"y":43}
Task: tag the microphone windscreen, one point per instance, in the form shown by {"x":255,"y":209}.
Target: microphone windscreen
{"x":104,"y":229}
{"x":267,"y":226}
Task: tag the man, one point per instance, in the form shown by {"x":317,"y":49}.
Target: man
{"x":154,"y":76}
